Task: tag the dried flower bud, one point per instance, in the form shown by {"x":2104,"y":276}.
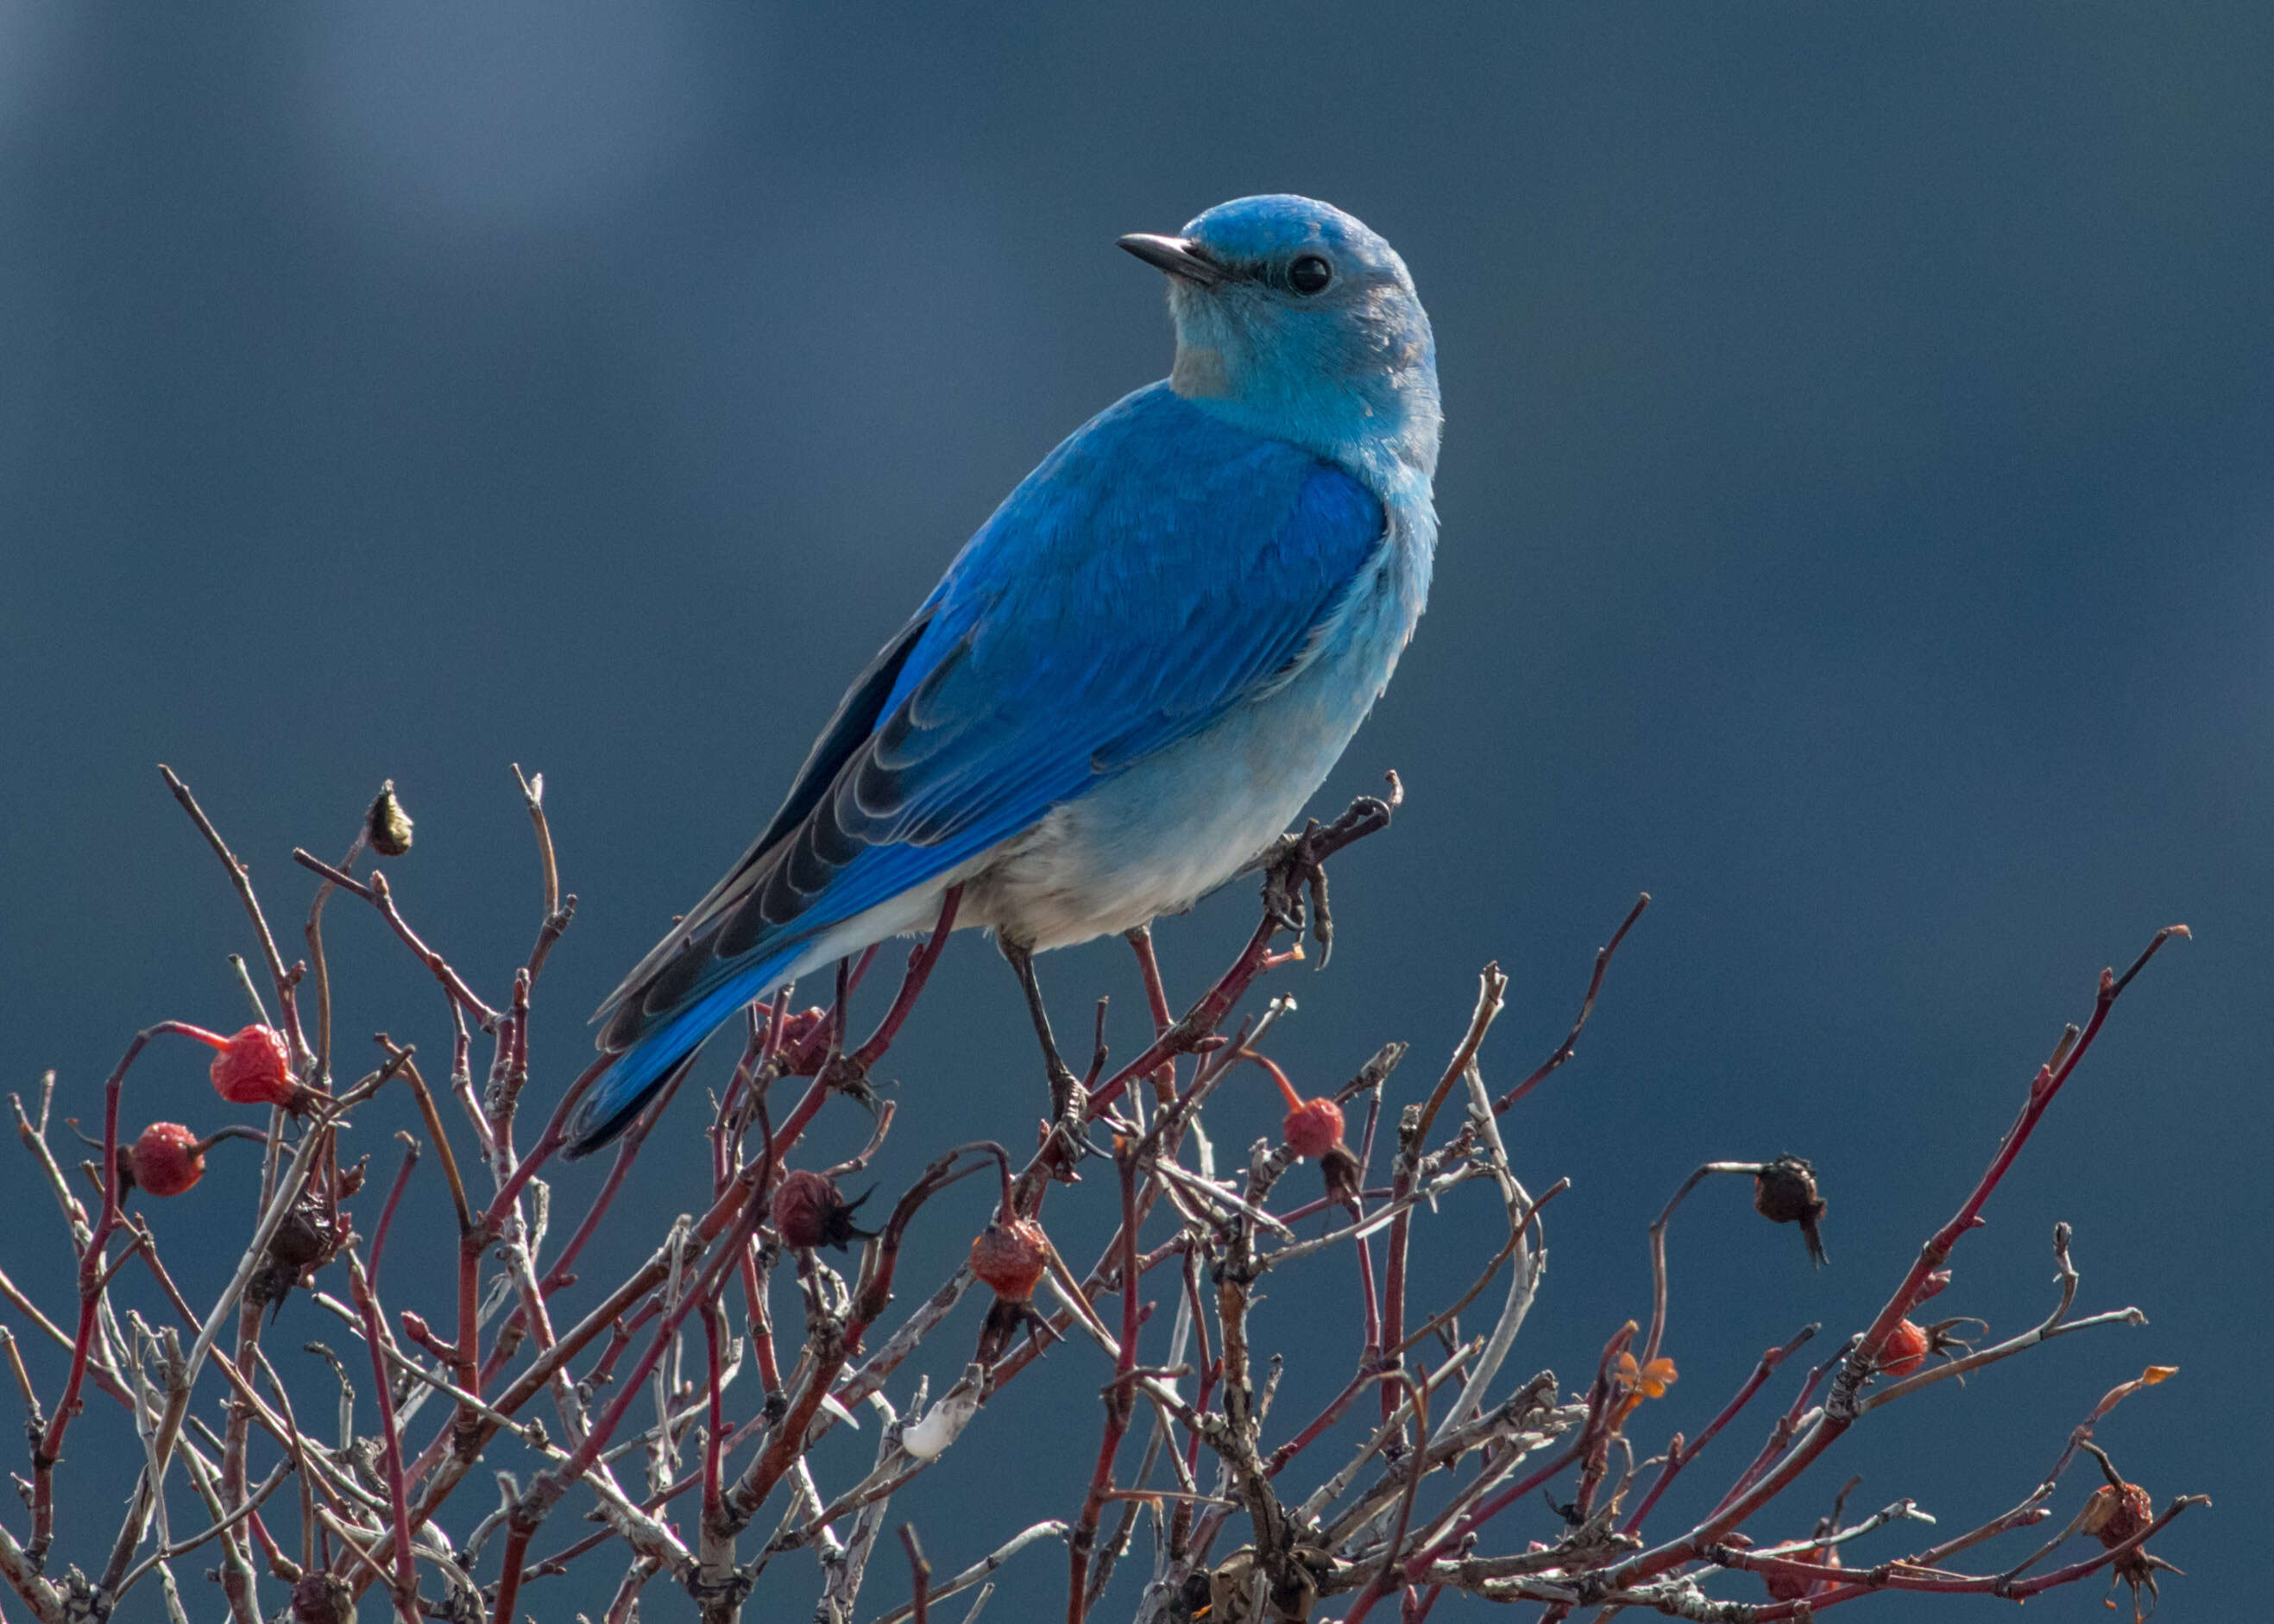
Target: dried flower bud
{"x":165,"y":1160}
{"x":387,"y":825}
{"x":1783,"y":1588}
{"x":808,"y":1212}
{"x":1784,"y":1192}
{"x":254,"y":1068}
{"x":1905,"y":1349}
{"x":1314,"y":1127}
{"x":1011,"y":1258}
{"x":2113,"y":1515}
{"x":305,"y":1241}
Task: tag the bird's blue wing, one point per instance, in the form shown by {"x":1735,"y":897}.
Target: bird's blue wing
{"x":1160,"y":568}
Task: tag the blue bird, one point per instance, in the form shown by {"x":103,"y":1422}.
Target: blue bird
{"x":1136,"y":674}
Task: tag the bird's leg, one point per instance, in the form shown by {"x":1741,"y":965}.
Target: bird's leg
{"x":1062,"y":1078}
{"x":1069,"y":1100}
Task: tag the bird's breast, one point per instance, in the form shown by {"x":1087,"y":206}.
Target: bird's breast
{"x":1157,"y":834}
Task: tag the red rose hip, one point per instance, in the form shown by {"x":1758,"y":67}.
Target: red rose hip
{"x":165,"y":1160}
{"x":254,"y":1068}
{"x":1314,"y":1127}
{"x":1906,"y":1349}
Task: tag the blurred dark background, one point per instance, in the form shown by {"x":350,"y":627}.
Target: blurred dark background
{"x":1857,"y":509}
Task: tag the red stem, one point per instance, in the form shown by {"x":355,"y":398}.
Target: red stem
{"x":556,"y":1135}
{"x":1564,"y":1051}
{"x":1120,"y":1400}
{"x":1326,"y":1418}
{"x":1839,"y":1406}
{"x":558,"y":1276}
{"x":727,"y":1210}
{"x":715,"y":1438}
{"x":1393,"y":1295}
{"x":1944,"y":1584}
{"x":398,"y":1496}
{"x":1202,"y":1019}
{"x":920,"y":967}
{"x":550,"y":1485}
{"x":91,"y":1279}
{"x":394,"y":1199}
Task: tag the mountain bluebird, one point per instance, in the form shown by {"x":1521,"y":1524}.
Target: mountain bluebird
{"x":1133,"y":677}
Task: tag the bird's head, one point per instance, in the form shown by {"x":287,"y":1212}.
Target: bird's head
{"x":1295,"y":320}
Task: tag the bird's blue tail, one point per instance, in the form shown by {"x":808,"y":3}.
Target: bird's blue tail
{"x":625,"y":1089}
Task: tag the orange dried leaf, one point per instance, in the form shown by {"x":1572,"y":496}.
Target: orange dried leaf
{"x":1650,"y":1380}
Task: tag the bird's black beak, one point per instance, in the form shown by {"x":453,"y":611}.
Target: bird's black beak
{"x":1180,"y":256}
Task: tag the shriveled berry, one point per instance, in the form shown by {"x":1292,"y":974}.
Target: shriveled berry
{"x":1906,"y":1349}
{"x":808,"y":1211}
{"x":1314,"y":1127}
{"x":165,"y":1160}
{"x":254,"y":1068}
{"x":1784,"y":1192}
{"x":1011,"y":1258}
{"x":2113,"y":1515}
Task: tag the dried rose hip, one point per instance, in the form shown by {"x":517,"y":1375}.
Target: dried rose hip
{"x":2113,"y":1515}
{"x":1011,"y":1258}
{"x":1784,"y":1192}
{"x":807,"y":1212}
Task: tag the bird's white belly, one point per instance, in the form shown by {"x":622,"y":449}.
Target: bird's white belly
{"x":1180,"y":822}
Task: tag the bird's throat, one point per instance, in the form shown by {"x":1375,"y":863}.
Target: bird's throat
{"x":1198,"y":374}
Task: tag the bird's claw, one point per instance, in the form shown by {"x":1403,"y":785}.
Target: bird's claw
{"x":1070,"y":1121}
{"x":1291,"y":866}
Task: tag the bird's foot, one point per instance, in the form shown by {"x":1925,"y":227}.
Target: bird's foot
{"x":1069,"y":1123}
{"x":1292,"y":865}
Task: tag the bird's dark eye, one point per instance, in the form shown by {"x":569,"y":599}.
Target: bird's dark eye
{"x":1310,"y":274}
